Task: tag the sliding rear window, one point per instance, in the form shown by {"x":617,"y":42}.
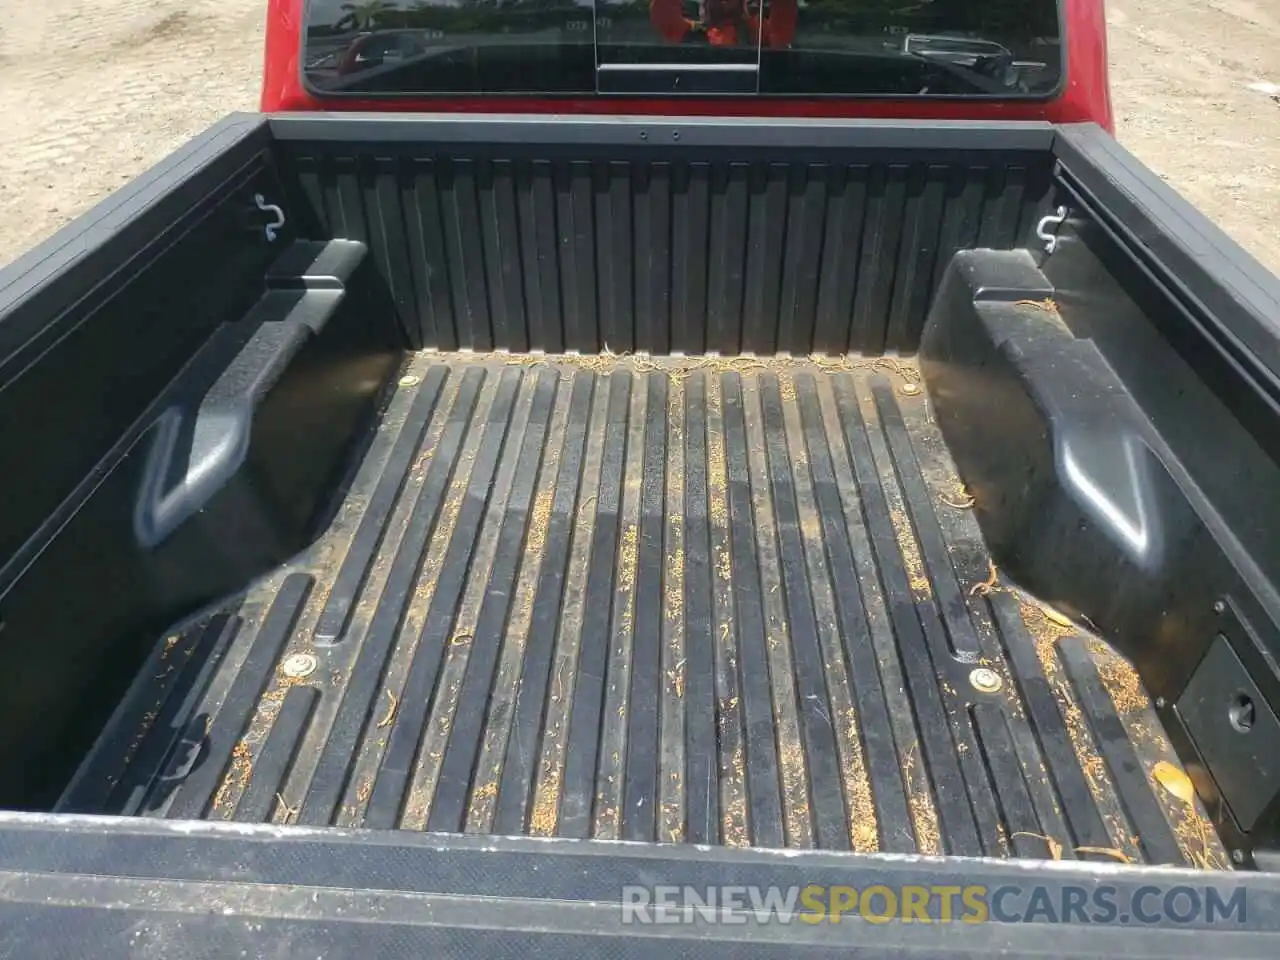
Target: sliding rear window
{"x":805,"y":48}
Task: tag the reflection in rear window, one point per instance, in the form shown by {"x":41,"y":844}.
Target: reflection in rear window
{"x":1001,"y":48}
{"x":438,"y":46}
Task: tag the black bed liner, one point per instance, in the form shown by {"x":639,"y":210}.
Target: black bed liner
{"x":211,"y":890}
{"x":694,"y":600}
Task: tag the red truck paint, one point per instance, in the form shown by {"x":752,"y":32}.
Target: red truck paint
{"x":1086,"y":95}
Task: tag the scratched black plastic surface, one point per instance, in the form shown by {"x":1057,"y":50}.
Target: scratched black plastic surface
{"x":715,"y":601}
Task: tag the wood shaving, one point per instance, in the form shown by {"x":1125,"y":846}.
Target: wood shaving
{"x":1106,"y":852}
{"x":391,"y":711}
{"x":288,"y":813}
{"x":989,"y":585}
{"x":676,"y":676}
{"x":680,"y":367}
{"x":1122,"y":683}
{"x":917,"y":575}
{"x":1055,"y":848}
{"x":1048,"y":304}
{"x":907,"y":372}
{"x":238,"y":775}
{"x":546,"y":804}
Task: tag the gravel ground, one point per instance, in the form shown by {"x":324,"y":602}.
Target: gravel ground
{"x":94,"y":91}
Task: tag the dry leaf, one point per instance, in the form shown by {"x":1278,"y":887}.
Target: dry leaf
{"x":1106,"y":852}
{"x":1175,"y":781}
{"x":1060,"y":619}
{"x":1055,"y":848}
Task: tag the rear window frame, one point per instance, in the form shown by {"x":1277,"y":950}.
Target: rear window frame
{"x":1048,"y":96}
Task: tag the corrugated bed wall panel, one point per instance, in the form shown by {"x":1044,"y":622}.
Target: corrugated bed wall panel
{"x":663,"y":256}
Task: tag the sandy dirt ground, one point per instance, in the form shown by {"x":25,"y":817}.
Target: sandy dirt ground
{"x":1196,"y":88}
{"x":95,"y":91}
{"x":92,"y":92}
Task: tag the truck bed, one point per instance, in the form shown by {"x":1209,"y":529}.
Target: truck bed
{"x":352,"y":584}
{"x":504,"y":631}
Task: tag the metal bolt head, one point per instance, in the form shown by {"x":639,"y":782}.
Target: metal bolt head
{"x":1237,"y":856}
{"x":299,"y":665}
{"x":910,"y":389}
{"x":1219,"y":606}
{"x":985,"y":680}
{"x":410,"y":381}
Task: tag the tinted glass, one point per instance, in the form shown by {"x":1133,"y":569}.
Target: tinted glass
{"x":450,"y":46}
{"x":998,"y":48}
{"x":1003,"y":48}
{"x":676,"y":31}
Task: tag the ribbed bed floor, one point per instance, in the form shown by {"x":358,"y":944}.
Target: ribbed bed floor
{"x":712,"y":601}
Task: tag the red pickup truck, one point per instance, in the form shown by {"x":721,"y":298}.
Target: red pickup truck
{"x":628,"y":478}
{"x":575,"y":58}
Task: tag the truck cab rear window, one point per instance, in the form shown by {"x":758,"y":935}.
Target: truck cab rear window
{"x":807,"y":48}
{"x":450,"y":46}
